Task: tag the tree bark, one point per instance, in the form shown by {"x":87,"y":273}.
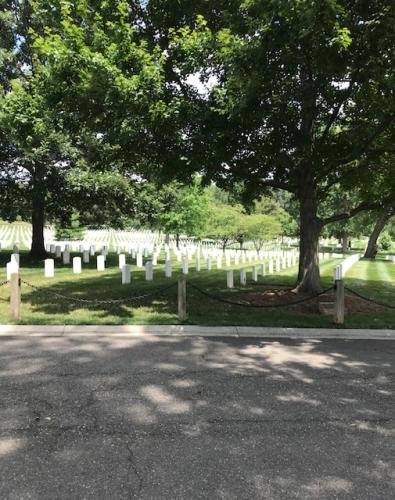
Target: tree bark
{"x":344,"y":240}
{"x":382,"y":220}
{"x":177,"y":241}
{"x":310,"y":229}
{"x":37,"y":250}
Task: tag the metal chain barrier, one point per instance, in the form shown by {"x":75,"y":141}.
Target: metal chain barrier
{"x":368,"y":299}
{"x":98,"y":301}
{"x":2,"y":283}
{"x":241,"y":304}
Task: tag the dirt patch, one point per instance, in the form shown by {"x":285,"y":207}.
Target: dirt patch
{"x":285,"y":298}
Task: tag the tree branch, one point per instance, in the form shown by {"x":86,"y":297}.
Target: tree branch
{"x":350,"y":213}
{"x":366,"y":146}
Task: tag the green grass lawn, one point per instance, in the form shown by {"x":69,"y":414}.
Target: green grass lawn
{"x":374,"y":279}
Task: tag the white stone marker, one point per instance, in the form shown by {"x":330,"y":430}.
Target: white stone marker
{"x":219,"y":262}
{"x":229,"y":278}
{"x":271,"y":268}
{"x":243,"y":257}
{"x":52,"y":248}
{"x":81,"y":248}
{"x":15,"y":258}
{"x":243,"y":276}
{"x":278,"y":264}
{"x":49,"y":268}
{"x":168,"y":268}
{"x":236,"y":259}
{"x":92,"y":250}
{"x":185,"y":265}
{"x":139,"y":260}
{"x":85,"y":256}
{"x":197,"y":264}
{"x":118,"y":249}
{"x":155,"y":259}
{"x":254,"y":273}
{"x":227,"y":260}
{"x":100,"y":262}
{"x":12,"y":268}
{"x":121,"y":260}
{"x":149,"y":273}
{"x":58,"y":251}
{"x":263,"y":269}
{"x":208,"y":263}
{"x":76,"y":265}
{"x":126,"y":275}
{"x":66,"y":257}
{"x":16,"y":248}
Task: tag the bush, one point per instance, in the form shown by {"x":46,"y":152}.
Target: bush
{"x":385,"y":242}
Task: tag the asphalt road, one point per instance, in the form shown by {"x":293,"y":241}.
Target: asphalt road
{"x":100,"y":417}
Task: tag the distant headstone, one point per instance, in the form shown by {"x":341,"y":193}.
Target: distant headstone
{"x":243,"y":276}
{"x":66,"y":257}
{"x":85,"y":256}
{"x":254,"y":273}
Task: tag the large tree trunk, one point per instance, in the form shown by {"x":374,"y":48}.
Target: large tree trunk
{"x":310,"y":229}
{"x":379,"y":226}
{"x":344,"y":240}
{"x":37,"y":250}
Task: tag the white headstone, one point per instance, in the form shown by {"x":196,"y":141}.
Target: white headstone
{"x":168,"y":268}
{"x":197,"y":264}
{"x":254,"y":273}
{"x":229,"y":278}
{"x":243,"y":276}
{"x":139,"y":260}
{"x":126,"y":276}
{"x":52,"y":248}
{"x":100,"y":262}
{"x":185,"y":265}
{"x":208,"y":263}
{"x":49,"y":268}
{"x":271,"y":268}
{"x":121,"y":260}
{"x":92,"y":250}
{"x":149,"y":273}
{"x":263,"y":269}
{"x":66,"y":257}
{"x":76,"y":265}
{"x":219,"y":262}
{"x":85,"y":256}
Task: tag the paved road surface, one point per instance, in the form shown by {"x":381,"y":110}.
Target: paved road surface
{"x":100,"y":417}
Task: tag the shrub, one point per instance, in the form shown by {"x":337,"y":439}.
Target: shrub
{"x":385,"y":242}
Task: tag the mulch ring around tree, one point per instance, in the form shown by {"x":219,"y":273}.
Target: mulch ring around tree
{"x":313,"y":306}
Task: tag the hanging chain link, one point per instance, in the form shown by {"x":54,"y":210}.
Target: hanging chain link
{"x":2,"y":283}
{"x":368,"y":299}
{"x":99,"y":301}
{"x":261,"y":306}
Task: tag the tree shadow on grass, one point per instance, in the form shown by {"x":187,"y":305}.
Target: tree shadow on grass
{"x":175,"y":417}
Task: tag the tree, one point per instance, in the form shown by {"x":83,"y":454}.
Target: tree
{"x":186,"y":213}
{"x":226,"y":223}
{"x":382,"y":219}
{"x":260,"y":228}
{"x":50,"y":127}
{"x":301,"y":99}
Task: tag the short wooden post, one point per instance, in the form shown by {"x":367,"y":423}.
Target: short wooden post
{"x":338,"y":312}
{"x":15,"y":297}
{"x":182,"y":298}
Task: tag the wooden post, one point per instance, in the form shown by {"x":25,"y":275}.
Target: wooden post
{"x":182,"y":298}
{"x":338,"y":312}
{"x":15,"y":297}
